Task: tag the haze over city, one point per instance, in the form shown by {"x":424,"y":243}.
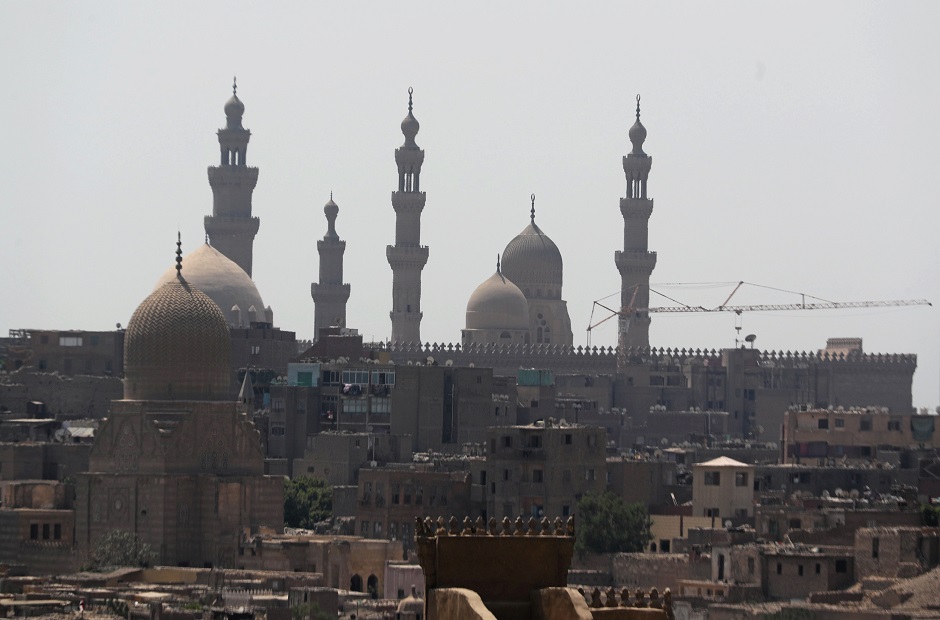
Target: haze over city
{"x":793,"y":146}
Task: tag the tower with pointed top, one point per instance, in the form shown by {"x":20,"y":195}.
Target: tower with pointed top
{"x":231,"y":228}
{"x":330,"y":294}
{"x":635,"y":263}
{"x":407,"y":257}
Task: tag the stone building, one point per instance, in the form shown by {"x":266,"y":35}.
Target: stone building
{"x":407,"y":257}
{"x":855,"y":434}
{"x":77,"y":352}
{"x":723,"y":488}
{"x":176,"y":463}
{"x":895,"y":552}
{"x":330,"y":294}
{"x":497,"y":313}
{"x":543,"y":469}
{"x":37,"y":526}
{"x":231,"y":228}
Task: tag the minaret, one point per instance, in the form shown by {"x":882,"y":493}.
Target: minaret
{"x":635,"y":262}
{"x":407,"y":257}
{"x":330,"y":294}
{"x":231,"y":228}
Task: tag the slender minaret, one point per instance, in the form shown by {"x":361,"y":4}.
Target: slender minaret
{"x":407,"y":257}
{"x":330,"y":294}
{"x":231,"y":228}
{"x":635,"y":262}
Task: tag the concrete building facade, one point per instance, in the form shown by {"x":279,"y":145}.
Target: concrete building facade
{"x":723,"y":488}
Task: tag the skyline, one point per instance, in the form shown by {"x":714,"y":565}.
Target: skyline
{"x":790,"y":152}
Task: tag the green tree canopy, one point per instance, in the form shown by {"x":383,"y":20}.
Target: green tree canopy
{"x":121,"y":548}
{"x":607,"y":524}
{"x":307,"y":501}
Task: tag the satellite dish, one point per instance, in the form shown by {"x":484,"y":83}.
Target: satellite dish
{"x":61,"y":435}
{"x":664,"y":441}
{"x":728,"y":524}
{"x":430,"y":361}
{"x":825,"y":494}
{"x":853,"y":493}
{"x":750,"y":338}
{"x":839,"y":492}
{"x":449,"y":363}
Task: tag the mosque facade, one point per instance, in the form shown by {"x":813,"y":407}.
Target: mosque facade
{"x":177,"y":461}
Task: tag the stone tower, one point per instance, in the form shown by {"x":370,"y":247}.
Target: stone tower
{"x":407,"y":257}
{"x":231,"y":228}
{"x":635,"y":262}
{"x":330,"y":294}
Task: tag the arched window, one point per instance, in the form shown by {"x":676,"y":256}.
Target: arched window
{"x":355,"y":584}
{"x":373,"y":584}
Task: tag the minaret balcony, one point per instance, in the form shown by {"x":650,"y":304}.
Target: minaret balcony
{"x":636,"y":208}
{"x":635,"y":261}
{"x":407,"y":255}
{"x":408,"y":201}
{"x":222,"y":225}
{"x":329,"y":292}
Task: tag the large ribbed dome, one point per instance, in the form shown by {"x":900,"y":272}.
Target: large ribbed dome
{"x":177,"y":347}
{"x":223,"y":281}
{"x":497,"y":304}
{"x":533,"y":262}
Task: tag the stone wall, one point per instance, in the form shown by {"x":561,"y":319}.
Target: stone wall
{"x":77,"y":396}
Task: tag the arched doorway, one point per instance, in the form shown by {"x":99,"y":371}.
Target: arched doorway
{"x":373,"y":584}
{"x":355,"y":584}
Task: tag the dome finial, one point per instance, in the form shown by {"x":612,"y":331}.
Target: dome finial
{"x":179,"y":254}
{"x":638,"y":107}
{"x":497,"y":263}
{"x":532,"y":212}
{"x":207,"y":238}
{"x":410,"y":91}
{"x":234,"y":86}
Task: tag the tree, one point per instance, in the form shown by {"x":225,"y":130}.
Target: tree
{"x":307,"y":501}
{"x":308,"y":611}
{"x":121,"y":548}
{"x":607,"y":524}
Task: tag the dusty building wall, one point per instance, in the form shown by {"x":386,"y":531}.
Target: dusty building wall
{"x":663,"y":570}
{"x":895,"y":552}
{"x":79,"y":395}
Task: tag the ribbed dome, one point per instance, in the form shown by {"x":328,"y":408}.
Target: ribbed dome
{"x":497,"y":304}
{"x":223,"y":281}
{"x":532,"y":260}
{"x":177,"y":347}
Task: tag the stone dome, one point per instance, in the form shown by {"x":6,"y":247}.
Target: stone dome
{"x":234,"y":108}
{"x":223,"y":281}
{"x":533,"y":261}
{"x":638,"y":137}
{"x":177,"y":347}
{"x":497,"y":304}
{"x":410,"y":126}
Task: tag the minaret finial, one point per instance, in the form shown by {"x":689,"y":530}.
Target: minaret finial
{"x":638,"y":107}
{"x":207,"y":238}
{"x":532,"y":212}
{"x":179,"y":254}
{"x":497,"y":263}
{"x":234,"y":86}
{"x":410,"y":90}
{"x":331,"y":194}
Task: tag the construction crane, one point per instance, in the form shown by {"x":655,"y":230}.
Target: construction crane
{"x":815,"y":304}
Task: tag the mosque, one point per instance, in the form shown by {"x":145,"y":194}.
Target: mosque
{"x":518,"y":317}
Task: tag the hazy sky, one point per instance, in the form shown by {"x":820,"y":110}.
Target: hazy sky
{"x":794,"y":145}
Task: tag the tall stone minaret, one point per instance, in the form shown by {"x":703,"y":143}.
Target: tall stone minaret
{"x":407,"y":257}
{"x":231,"y":228}
{"x":635,"y":262}
{"x":330,"y":294}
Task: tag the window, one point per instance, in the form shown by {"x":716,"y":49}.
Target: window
{"x":70,"y":341}
{"x":565,"y":510}
{"x":796,"y":524}
{"x":377,"y":530}
{"x":894,"y":425}
{"x":818,"y":568}
{"x":592,"y":441}
{"x":507,"y":510}
{"x":864,"y":424}
{"x":34,"y":531}
{"x":740,"y":479}
{"x":507,"y":441}
{"x":799,"y":570}
{"x":875,"y":547}
{"x":568,"y":439}
{"x":589,"y":474}
{"x":383,"y":377}
{"x":779,"y":568}
{"x":364,"y":528}
{"x":537,"y":476}
{"x":823,"y":423}
{"x":57,"y":531}
{"x":506,"y":475}
{"x":740,"y":512}
{"x":711,"y":512}
{"x":841,"y":566}
{"x":840,"y":422}
{"x":535,"y":441}
{"x":750,"y":566}
{"x":492,"y":445}
{"x":712,"y":478}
